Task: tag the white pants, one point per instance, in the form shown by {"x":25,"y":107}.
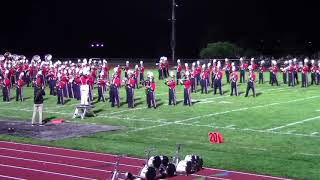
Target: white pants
{"x":84,"y":94}
{"x":37,"y":108}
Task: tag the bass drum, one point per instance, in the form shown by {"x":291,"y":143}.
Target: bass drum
{"x":154,"y":161}
{"x":148,"y":173}
{"x":171,"y":170}
{"x":164,"y":160}
{"x":184,"y":167}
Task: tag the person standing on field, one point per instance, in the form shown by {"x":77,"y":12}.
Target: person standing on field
{"x":38,"y":104}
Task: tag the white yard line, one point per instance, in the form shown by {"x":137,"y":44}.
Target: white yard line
{"x":253,"y":148}
{"x":308,"y":154}
{"x":247,"y":130}
{"x":294,"y":123}
{"x":127,"y":110}
{"x":219,"y":113}
{"x":314,"y":133}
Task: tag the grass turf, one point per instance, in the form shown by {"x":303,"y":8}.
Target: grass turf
{"x":277,"y":133}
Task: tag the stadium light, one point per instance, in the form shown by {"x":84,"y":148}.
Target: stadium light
{"x":173,"y":29}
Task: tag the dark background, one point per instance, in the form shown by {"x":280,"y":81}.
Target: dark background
{"x":140,"y":28}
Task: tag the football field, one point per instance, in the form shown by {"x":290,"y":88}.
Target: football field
{"x":276,"y":133}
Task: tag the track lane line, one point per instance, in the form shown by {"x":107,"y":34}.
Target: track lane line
{"x":66,"y":157}
{"x":45,"y":172}
{"x":54,"y":167}
{"x":10,"y":177}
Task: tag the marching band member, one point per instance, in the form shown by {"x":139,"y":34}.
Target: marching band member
{"x":227,"y":69}
{"x":313,"y":70}
{"x":262,"y":69}
{"x":106,"y":69}
{"x":101,"y":87}
{"x":274,"y":71}
{"x":52,"y":81}
{"x":284,"y":70}
{"x":203,"y":81}
{"x":6,"y":87}
{"x":186,"y":66}
{"x":233,"y":80}
{"x":90,"y":83}
{"x":253,"y":65}
{"x":69,"y":84}
{"x":141,"y":70}
{"x":11,"y":75}
{"x":304,"y":73}
{"x":209,"y":71}
{"x":166,"y":67}
{"x":243,"y":66}
{"x":172,"y":92}
{"x":318,"y":73}
{"x":135,"y":76}
{"x":130,"y":84}
{"x":217,"y":80}
{"x":126,"y":69}
{"x":60,"y":87}
{"x":291,"y":70}
{"x":161,"y":68}
{"x":64,"y":78}
{"x":19,"y":87}
{"x":193,"y":78}
{"x":198,"y":70}
{"x":76,"y":86}
{"x":151,"y":86}
{"x":187,"y":85}
{"x":84,"y":87}
{"x":295,"y":72}
{"x":252,"y":78}
{"x":114,"y":88}
{"x":179,"y":69}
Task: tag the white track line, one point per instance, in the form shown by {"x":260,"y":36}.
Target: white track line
{"x":294,"y":123}
{"x":70,"y":157}
{"x":47,"y":172}
{"x":207,"y":177}
{"x":60,"y":164}
{"x":10,"y":177}
{"x":237,"y":172}
{"x":127,"y":157}
{"x":63,"y":149}
{"x":219,"y":113}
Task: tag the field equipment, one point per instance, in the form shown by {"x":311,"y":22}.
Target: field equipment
{"x":117,"y":175}
{"x":161,"y":166}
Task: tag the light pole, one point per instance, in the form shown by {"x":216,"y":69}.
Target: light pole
{"x":173,"y":30}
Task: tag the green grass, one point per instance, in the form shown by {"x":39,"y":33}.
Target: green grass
{"x":291,"y":151}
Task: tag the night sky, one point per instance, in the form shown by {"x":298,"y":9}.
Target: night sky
{"x":140,"y":28}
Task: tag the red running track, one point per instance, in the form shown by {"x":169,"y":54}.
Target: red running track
{"x":24,"y":161}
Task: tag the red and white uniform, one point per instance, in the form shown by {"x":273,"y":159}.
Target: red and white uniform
{"x":187,"y":84}
{"x":218,"y":75}
{"x":305,"y":69}
{"x":171,"y":84}
{"x":252,"y":77}
{"x":234,"y":76}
